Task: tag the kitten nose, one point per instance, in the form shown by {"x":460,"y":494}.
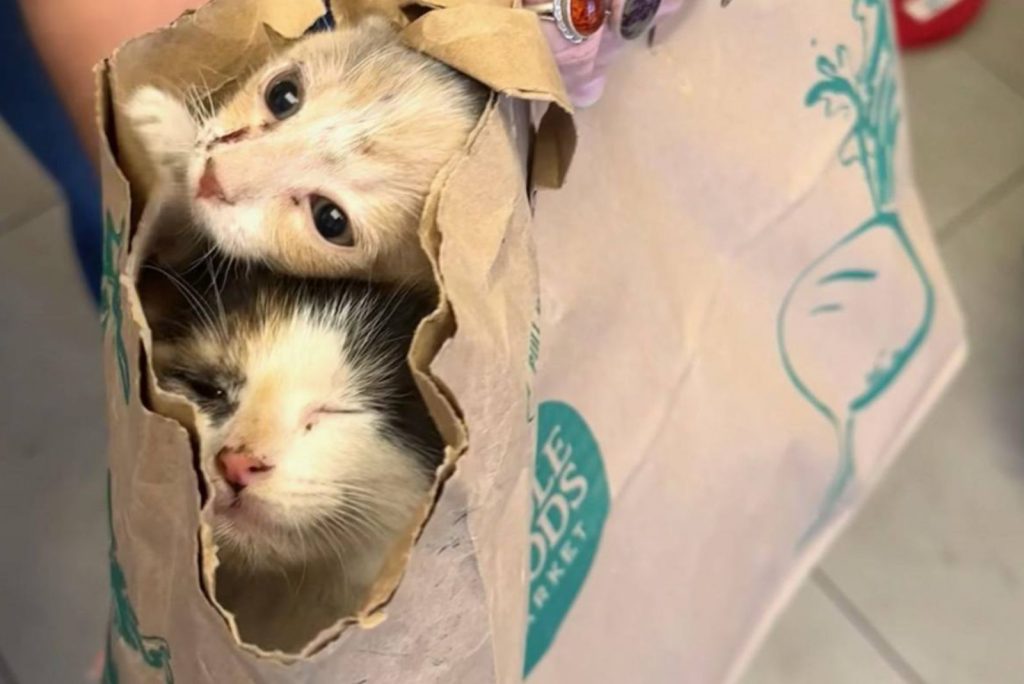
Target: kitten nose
{"x":239,"y":467}
{"x":209,"y":186}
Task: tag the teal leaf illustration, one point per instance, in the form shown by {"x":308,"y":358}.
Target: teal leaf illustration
{"x":849,"y":151}
{"x":570,"y":505}
{"x":155,"y":651}
{"x":111,"y":312}
{"x":835,"y":87}
{"x":826,"y":67}
{"x":871,"y":93}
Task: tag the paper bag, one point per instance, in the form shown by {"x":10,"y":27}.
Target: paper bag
{"x":744,"y":316}
{"x":456,"y":613}
{"x":740,"y":317}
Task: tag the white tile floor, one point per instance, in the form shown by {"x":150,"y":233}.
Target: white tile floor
{"x":926,"y":586}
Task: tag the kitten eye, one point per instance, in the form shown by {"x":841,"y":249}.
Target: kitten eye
{"x":283,"y":95}
{"x":205,"y":390}
{"x":330,"y":221}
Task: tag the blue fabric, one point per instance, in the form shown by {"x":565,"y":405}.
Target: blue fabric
{"x":30,"y":107}
{"x":324,"y":23}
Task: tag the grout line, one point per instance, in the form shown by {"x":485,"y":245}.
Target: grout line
{"x":976,"y":208}
{"x":6,"y":674}
{"x":866,"y":629}
{"x":993,"y":71}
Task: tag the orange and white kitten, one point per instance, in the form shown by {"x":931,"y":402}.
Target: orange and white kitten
{"x":319,"y":165}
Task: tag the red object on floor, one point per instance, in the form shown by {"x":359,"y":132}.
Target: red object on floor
{"x":921,"y":22}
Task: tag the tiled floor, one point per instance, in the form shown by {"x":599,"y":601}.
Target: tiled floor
{"x":53,"y":584}
{"x":927,"y":585}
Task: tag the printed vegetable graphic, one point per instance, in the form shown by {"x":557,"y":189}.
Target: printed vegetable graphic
{"x":154,"y":651}
{"x":111,"y":304}
{"x":866,"y":300}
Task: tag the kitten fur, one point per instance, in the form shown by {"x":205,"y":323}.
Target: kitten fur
{"x":377,"y":123}
{"x":309,"y":377}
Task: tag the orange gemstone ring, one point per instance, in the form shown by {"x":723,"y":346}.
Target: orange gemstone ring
{"x":576,"y":20}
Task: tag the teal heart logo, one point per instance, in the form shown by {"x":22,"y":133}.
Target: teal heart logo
{"x":570,"y":505}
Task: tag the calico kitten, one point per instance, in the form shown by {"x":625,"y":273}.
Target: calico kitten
{"x":317,"y":443}
{"x":319,"y":165}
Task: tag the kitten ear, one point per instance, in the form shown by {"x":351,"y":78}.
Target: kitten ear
{"x":164,"y":125}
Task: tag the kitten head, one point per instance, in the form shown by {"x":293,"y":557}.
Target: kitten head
{"x":320,"y":163}
{"x":316,"y":440}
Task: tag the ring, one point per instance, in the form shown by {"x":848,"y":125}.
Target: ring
{"x":576,"y":20}
{"x":637,"y":16}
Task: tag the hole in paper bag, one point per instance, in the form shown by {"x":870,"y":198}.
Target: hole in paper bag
{"x":317,"y":443}
{"x":320,"y":451}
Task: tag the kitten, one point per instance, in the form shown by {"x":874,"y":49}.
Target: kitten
{"x":318,"y":445}
{"x":320,"y":164}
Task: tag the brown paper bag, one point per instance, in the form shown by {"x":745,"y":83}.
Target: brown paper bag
{"x":459,"y":610}
{"x":741,"y":318}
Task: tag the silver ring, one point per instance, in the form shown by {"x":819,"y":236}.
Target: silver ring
{"x":592,"y":14}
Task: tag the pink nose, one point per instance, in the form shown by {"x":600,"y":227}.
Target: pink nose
{"x":240,"y":468}
{"x":209,"y":187}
